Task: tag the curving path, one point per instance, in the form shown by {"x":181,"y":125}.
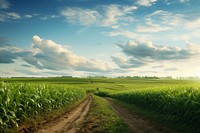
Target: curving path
{"x":70,"y":122}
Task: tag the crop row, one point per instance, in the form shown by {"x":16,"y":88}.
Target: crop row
{"x":18,"y":101}
{"x":180,"y":104}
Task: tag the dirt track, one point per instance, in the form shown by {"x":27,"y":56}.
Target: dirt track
{"x":70,"y":122}
{"x":138,"y":124}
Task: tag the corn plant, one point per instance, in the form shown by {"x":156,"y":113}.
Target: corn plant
{"x":182,"y":104}
{"x":18,"y":101}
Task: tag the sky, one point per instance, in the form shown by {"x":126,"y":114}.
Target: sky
{"x":99,"y":38}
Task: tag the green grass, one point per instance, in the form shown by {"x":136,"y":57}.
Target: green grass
{"x":103,"y":119}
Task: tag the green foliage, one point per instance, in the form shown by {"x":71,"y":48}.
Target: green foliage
{"x":102,"y":94}
{"x":164,"y":96}
{"x":181,"y":104}
{"x":20,"y":101}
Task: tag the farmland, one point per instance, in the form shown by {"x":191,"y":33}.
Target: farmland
{"x":175,"y":103}
{"x":19,"y":101}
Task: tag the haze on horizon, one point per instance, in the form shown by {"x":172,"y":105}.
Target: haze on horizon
{"x":95,"y":37}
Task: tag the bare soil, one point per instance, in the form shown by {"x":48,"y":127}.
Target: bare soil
{"x":138,"y":124}
{"x":70,"y":122}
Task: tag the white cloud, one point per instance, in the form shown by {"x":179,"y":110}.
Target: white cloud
{"x":28,"y":16}
{"x":115,"y":26}
{"x":5,"y":16}
{"x":146,"y":3}
{"x":4,"y":4}
{"x":160,"y":21}
{"x":164,"y":17}
{"x":13,"y":15}
{"x":145,"y":58}
{"x":79,"y":15}
{"x":152,"y":28}
{"x":196,"y":33}
{"x":194,"y":48}
{"x":127,"y":62}
{"x":100,"y":16}
{"x":145,"y":49}
{"x":183,"y":1}
{"x":47,"y":17}
{"x":182,"y":37}
{"x":192,"y":24}
{"x":122,"y":33}
{"x":113,"y":13}
{"x":47,"y":54}
{"x":128,"y":34}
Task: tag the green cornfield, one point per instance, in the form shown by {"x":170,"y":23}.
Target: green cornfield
{"x":19,"y":101}
{"x":180,"y":104}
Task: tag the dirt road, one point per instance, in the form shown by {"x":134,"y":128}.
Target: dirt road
{"x":70,"y":122}
{"x":138,"y":124}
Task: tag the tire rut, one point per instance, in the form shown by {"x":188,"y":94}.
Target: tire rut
{"x":70,"y":122}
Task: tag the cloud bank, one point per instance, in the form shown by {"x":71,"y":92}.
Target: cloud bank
{"x":46,"y":54}
{"x":47,"y":57}
{"x":142,"y":52}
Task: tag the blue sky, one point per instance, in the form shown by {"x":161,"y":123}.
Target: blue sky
{"x":95,"y":37}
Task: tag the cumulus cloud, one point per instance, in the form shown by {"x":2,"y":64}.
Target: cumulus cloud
{"x":5,"y":16}
{"x":146,"y":3}
{"x":101,"y":15}
{"x":4,"y":4}
{"x":141,"y":52}
{"x":46,"y":54}
{"x":146,"y":49}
